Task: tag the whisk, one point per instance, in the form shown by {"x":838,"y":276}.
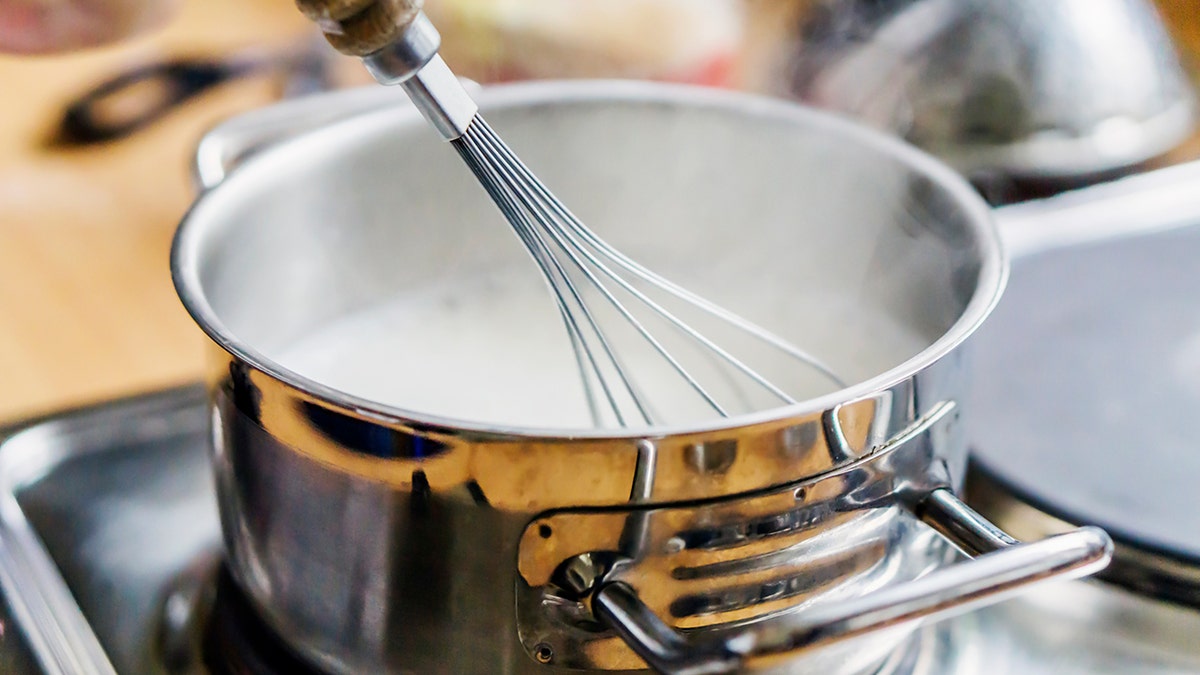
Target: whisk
{"x":589,"y":279}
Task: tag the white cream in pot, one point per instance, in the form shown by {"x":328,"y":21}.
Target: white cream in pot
{"x":493,"y":350}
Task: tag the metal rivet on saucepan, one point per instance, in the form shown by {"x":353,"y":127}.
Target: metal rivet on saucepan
{"x":544,"y":531}
{"x":543,"y":652}
{"x":801,"y":494}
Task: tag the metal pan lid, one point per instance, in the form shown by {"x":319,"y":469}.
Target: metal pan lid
{"x":1087,"y":379}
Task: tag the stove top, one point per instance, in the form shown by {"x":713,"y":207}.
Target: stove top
{"x":110,"y":555}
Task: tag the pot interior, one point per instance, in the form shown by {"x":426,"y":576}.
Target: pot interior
{"x":365,"y":256}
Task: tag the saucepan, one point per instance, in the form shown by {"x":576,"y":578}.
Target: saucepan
{"x":375,"y":536}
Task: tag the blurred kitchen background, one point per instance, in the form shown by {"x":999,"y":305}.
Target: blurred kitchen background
{"x":95,"y":172}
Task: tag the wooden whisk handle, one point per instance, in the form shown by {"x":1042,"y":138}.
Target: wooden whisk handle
{"x":361,"y":27}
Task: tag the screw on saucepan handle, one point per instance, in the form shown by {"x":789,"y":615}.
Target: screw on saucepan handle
{"x":949,"y":591}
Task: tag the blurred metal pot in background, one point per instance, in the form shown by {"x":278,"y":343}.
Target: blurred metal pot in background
{"x":1045,"y":89}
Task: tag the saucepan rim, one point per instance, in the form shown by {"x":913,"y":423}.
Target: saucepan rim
{"x":993,"y":264}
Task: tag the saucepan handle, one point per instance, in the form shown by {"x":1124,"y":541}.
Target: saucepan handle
{"x":1001,"y":567}
{"x":227,"y":145}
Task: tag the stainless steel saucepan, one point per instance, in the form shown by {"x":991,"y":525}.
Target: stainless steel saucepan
{"x":380,"y":538}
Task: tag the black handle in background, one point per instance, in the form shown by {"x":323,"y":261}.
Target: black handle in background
{"x":98,"y":116}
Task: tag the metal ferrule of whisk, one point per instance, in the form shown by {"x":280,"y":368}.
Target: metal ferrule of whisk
{"x":399,"y":46}
{"x":413,"y":63}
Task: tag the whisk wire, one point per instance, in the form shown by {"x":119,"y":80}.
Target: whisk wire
{"x":545,"y":225}
{"x":571,"y":247}
{"x":540,"y":254}
{"x":649,"y":276}
{"x":552,"y":269}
